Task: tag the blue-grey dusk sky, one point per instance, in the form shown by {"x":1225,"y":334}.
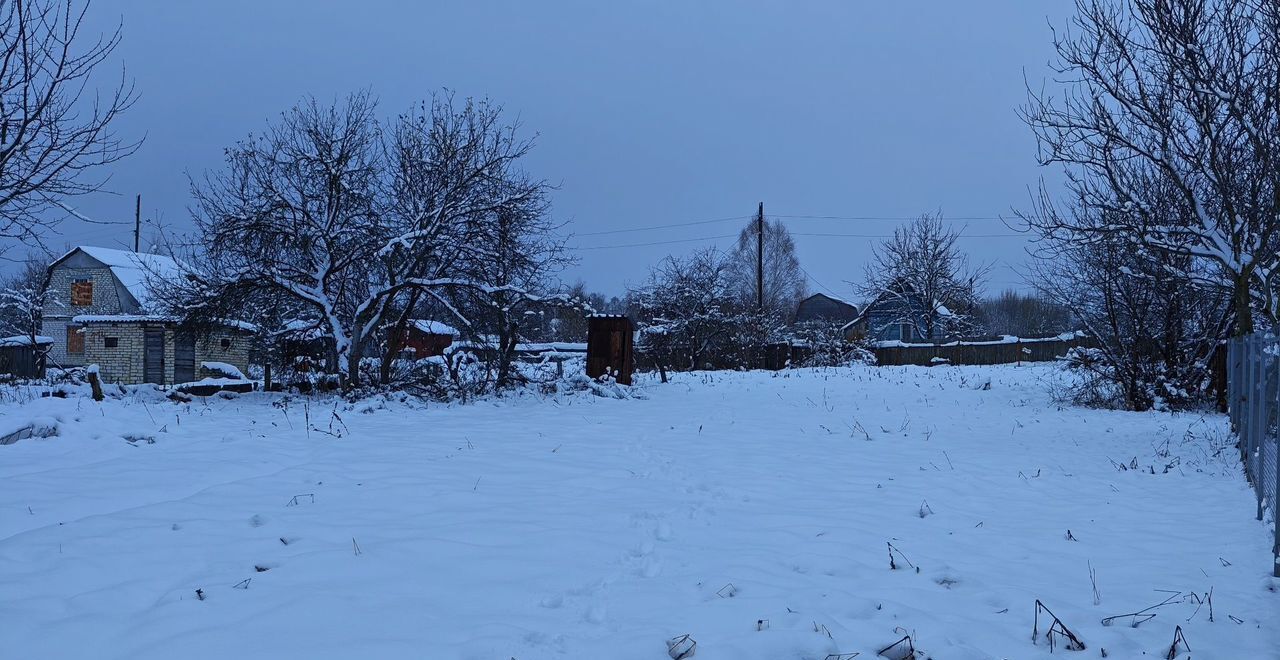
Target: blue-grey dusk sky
{"x":648,"y":113}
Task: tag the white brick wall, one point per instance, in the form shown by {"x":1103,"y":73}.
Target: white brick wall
{"x":125,"y":363}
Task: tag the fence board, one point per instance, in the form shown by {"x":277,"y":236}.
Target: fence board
{"x":1036,"y":350}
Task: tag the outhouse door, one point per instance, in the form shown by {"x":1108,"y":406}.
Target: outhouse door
{"x":184,"y":358}
{"x":153,"y":356}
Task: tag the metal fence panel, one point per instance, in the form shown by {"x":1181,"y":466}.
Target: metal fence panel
{"x":1253,"y":395}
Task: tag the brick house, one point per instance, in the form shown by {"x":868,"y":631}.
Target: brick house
{"x":96,"y":312}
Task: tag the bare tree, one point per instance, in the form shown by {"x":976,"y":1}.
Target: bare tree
{"x":22,"y":298}
{"x":358,"y":225}
{"x":784,"y":281}
{"x":54,"y":130}
{"x":688,"y":312}
{"x":1155,"y":334}
{"x":526,"y":252}
{"x":922,"y":266}
{"x":1173,"y":96}
{"x":1021,"y":315}
{"x":455,"y":192}
{"x":295,"y":212}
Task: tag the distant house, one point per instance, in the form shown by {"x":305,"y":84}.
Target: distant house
{"x":898,"y":315}
{"x":97,"y":312}
{"x":824,"y":308}
{"x":426,"y":338}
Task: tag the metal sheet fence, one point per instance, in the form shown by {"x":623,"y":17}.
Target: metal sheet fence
{"x":1253,"y":394}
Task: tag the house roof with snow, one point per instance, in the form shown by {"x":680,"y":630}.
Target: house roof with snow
{"x":430,"y":327}
{"x":134,"y":270}
{"x":822,"y":307}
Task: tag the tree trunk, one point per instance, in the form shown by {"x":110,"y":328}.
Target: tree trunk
{"x":506,"y":353}
{"x":354,"y":354}
{"x":1242,"y":301}
{"x":396,"y":339}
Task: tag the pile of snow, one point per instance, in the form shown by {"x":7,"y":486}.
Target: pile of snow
{"x":752,"y":512}
{"x":227,"y":370}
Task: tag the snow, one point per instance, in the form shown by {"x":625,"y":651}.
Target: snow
{"x":134,"y":269}
{"x":123,"y":318}
{"x":576,"y":526}
{"x":430,"y":327}
{"x":1004,"y":339}
{"x":23,"y":340}
{"x":229,"y":370}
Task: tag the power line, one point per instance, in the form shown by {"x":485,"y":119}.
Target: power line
{"x":891,"y":235}
{"x":683,"y":240}
{"x":676,"y":224}
{"x":777,"y":216}
{"x":891,"y":218}
{"x":815,"y":281}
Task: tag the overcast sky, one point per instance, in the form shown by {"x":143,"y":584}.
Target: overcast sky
{"x":646,"y":113}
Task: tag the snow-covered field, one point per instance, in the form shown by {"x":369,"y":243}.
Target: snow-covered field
{"x":751,"y":511}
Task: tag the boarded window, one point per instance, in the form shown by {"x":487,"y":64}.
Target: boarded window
{"x":82,"y":293}
{"x":110,"y":342}
{"x":75,"y":341}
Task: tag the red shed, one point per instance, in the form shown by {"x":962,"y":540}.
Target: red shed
{"x":427,"y":338}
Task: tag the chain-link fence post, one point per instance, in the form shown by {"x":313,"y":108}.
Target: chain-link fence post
{"x":1274,"y":403}
{"x":1261,"y":406}
{"x":1247,"y":407}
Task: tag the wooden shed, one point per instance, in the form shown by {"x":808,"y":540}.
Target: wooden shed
{"x":609,"y":351}
{"x":22,"y":358}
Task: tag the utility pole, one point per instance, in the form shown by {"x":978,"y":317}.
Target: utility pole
{"x":760,"y":258}
{"x":137,"y":224}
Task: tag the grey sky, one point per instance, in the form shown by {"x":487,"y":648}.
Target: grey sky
{"x":648,"y":113}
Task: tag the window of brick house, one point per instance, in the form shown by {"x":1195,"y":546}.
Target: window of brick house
{"x":110,"y":342}
{"x":75,"y":340}
{"x":82,"y":293}
{"x":226,"y":344}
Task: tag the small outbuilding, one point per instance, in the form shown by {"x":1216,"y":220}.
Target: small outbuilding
{"x":133,"y":349}
{"x":427,"y":338}
{"x":23,"y":356}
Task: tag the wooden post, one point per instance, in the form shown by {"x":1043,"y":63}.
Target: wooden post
{"x":95,"y":383}
{"x":760,"y":258}
{"x":137,"y":223}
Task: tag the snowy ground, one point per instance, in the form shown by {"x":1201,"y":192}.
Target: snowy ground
{"x":582,"y":527}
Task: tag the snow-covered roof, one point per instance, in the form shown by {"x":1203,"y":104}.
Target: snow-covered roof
{"x":153,"y":318}
{"x":831,"y":297}
{"x":133,"y":269}
{"x":430,"y":327}
{"x":23,"y":340}
{"x":124,"y":318}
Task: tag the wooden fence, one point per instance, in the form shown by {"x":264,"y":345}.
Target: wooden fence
{"x":995,"y":351}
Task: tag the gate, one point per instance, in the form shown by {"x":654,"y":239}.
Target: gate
{"x":153,"y":356}
{"x":184,"y":358}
